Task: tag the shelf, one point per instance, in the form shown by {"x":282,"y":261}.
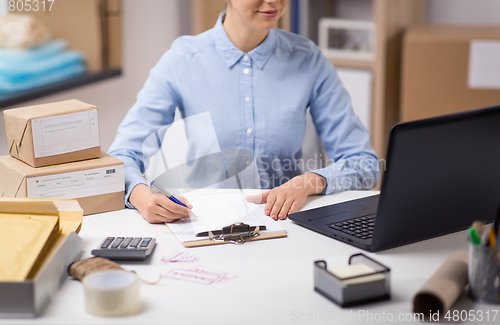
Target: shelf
{"x":391,"y":18}
{"x":352,"y":64}
{"x":13,"y":99}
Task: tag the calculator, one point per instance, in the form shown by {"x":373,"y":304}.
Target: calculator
{"x":125,"y":248}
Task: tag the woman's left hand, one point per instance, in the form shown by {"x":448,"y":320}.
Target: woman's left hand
{"x":289,"y":197}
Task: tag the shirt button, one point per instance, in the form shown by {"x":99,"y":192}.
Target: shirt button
{"x":248,"y":162}
{"x":245,"y":58}
{"x":247,"y":99}
{"x":249,"y":131}
{"x":246,"y":71}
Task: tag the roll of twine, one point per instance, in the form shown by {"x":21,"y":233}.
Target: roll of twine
{"x":80,"y":269}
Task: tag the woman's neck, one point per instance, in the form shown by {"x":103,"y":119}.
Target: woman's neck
{"x":243,"y":37}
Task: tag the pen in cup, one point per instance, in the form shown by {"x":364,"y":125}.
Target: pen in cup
{"x":162,"y":190}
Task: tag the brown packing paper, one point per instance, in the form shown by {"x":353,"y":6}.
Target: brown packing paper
{"x":441,"y":291}
{"x":14,"y":175}
{"x":20,"y":133}
{"x":102,"y":203}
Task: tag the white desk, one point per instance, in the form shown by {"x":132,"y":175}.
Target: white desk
{"x":274,"y":283}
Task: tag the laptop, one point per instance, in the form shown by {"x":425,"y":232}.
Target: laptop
{"x":441,"y":174}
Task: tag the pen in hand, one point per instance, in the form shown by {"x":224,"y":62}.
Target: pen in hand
{"x":162,"y":190}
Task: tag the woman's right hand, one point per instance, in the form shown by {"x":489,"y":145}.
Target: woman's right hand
{"x":157,"y":208}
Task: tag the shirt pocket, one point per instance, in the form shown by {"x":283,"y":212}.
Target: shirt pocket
{"x":285,"y":131}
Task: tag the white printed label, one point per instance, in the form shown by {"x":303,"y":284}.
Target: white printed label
{"x":79,"y":184}
{"x":484,"y":65}
{"x":60,"y":134}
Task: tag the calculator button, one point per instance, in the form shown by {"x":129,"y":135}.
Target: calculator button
{"x":107,"y":241}
{"x":117,"y":242}
{"x":144,"y":243}
{"x":135,"y":242}
{"x":126,"y":242}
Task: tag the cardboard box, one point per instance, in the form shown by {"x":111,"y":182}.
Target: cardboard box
{"x":29,"y":298}
{"x":54,"y":133}
{"x":97,"y":184}
{"x":435,"y":71}
{"x":80,"y":23}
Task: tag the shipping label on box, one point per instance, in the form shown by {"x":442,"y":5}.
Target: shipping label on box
{"x":97,"y":184}
{"x":484,"y":65}
{"x":56,"y":135}
{"x":78,"y":184}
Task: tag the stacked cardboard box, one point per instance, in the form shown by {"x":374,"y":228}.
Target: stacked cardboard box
{"x":55,"y":153}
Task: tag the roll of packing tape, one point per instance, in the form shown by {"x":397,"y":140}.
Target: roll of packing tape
{"x":112,"y":293}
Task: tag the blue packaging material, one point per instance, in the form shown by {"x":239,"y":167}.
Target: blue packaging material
{"x":21,"y":70}
{"x":15,"y":72}
{"x":47,"y":78}
{"x":13,"y":56}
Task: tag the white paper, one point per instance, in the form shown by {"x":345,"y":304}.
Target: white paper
{"x":214,"y":211}
{"x":358,"y":84}
{"x":55,"y":135}
{"x":484,"y":65}
{"x":217,"y":211}
{"x":79,"y":184}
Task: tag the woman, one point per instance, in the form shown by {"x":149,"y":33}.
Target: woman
{"x":256,"y":82}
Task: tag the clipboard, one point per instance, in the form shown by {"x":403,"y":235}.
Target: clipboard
{"x":233,"y":233}
{"x":217,"y":202}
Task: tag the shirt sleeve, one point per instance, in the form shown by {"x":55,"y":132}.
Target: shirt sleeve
{"x":346,"y":141}
{"x":154,"y":109}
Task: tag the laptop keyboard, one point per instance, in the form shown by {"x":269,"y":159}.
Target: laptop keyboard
{"x":361,"y":227}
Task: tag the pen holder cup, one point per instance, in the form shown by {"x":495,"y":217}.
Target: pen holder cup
{"x":484,"y":273}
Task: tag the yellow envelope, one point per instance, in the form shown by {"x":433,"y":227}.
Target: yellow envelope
{"x":68,"y":213}
{"x":23,"y":237}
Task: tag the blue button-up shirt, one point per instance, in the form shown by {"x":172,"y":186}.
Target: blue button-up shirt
{"x":257,"y":102}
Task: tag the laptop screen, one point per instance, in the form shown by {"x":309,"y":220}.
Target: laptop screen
{"x":442,"y":174}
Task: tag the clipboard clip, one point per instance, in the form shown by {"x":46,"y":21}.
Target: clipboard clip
{"x":237,"y":233}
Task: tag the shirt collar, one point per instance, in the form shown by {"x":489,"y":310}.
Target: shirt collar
{"x":231,"y":54}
